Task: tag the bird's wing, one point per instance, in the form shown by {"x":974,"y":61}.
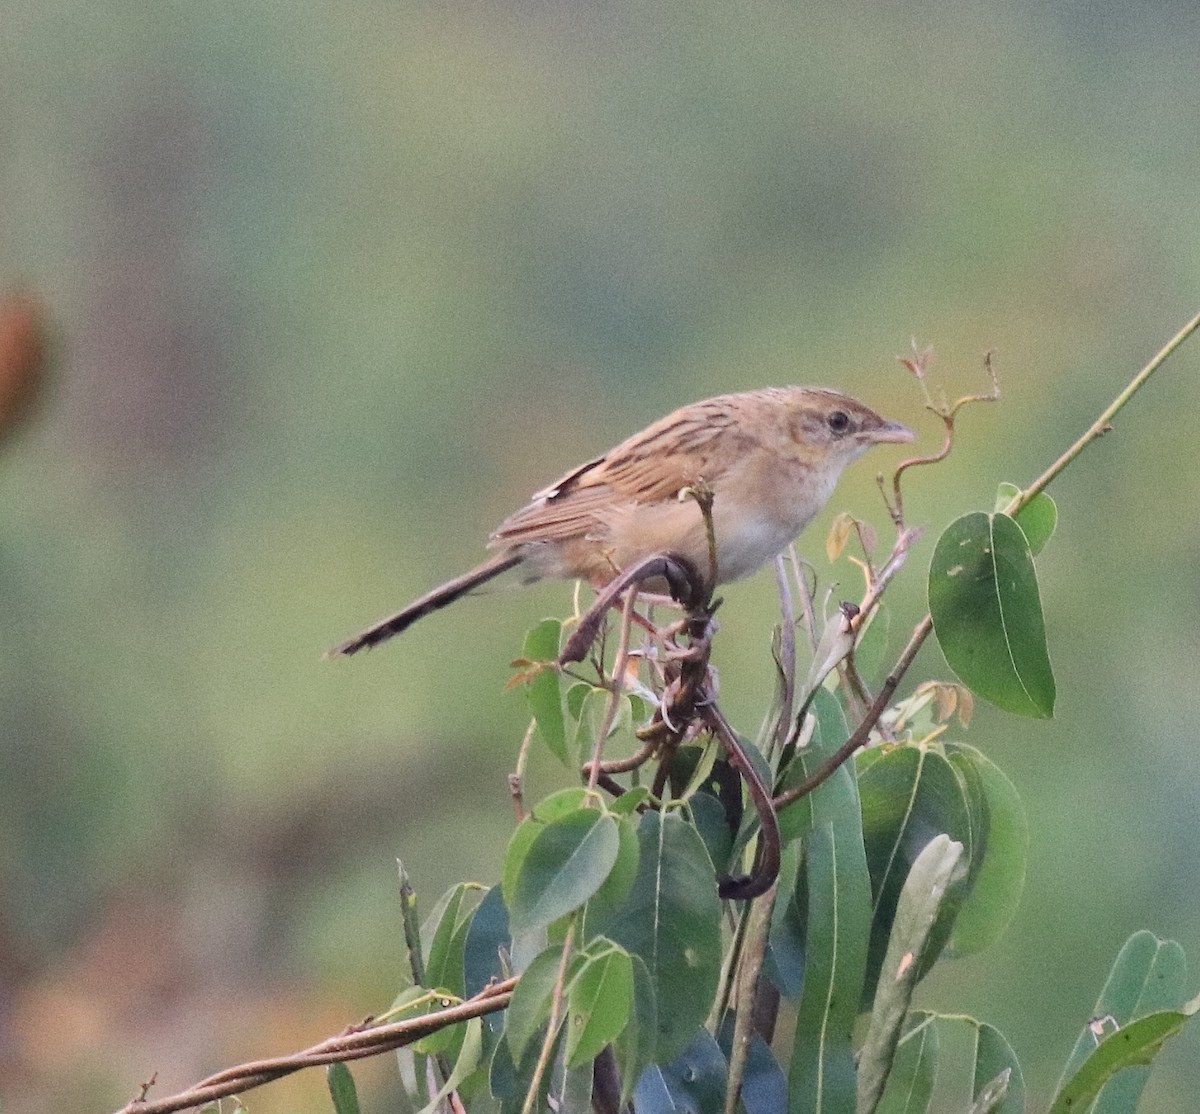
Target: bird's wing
{"x":690,"y":445}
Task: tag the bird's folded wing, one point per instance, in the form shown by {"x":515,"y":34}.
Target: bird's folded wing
{"x":684,"y":448}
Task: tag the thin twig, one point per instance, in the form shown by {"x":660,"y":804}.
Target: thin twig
{"x":516,"y":780}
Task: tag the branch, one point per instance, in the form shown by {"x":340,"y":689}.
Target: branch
{"x":1103,"y":424}
{"x":354,"y":1045}
{"x":1097,"y":429}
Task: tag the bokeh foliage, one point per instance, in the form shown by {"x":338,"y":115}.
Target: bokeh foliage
{"x":336,"y":287}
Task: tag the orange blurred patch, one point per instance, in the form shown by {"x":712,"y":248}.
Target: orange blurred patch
{"x":23,"y":358}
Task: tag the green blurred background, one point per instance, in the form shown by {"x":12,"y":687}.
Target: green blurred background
{"x":336,"y":286}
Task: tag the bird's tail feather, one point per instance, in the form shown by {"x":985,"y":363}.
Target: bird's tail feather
{"x":440,"y":597}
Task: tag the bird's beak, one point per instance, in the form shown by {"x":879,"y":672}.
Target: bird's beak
{"x":889,"y":433}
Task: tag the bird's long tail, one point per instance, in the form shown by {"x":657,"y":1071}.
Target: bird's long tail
{"x":432,"y":601}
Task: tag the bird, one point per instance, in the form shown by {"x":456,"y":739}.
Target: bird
{"x":769,"y":459}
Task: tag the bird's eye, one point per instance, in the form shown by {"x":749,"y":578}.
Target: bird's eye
{"x":839,"y":422}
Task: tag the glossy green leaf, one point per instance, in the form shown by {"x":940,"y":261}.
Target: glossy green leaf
{"x":993,"y":1095}
{"x":629,"y":801}
{"x":617,"y":886}
{"x":921,"y":898}
{"x":449,"y":921}
{"x":914,"y":1067}
{"x":1037,"y":519}
{"x":692,"y":1081}
{"x":672,"y":920}
{"x":987,"y":613}
{"x":785,"y":959}
{"x":1136,"y":1044}
{"x":836,"y":892}
{"x":870,"y":652}
{"x":708,"y":815}
{"x":509,"y":1080}
{"x":529,"y":1009}
{"x":567,"y":862}
{"x":573,"y":1089}
{"x":466,"y":1060}
{"x":830,"y":732}
{"x":764,"y":1086}
{"x":590,"y":719}
{"x":437,"y":932}
{"x":342,"y":1089}
{"x":487,"y":936}
{"x":999,"y":856}
{"x":1148,"y":975}
{"x":636,"y":1046}
{"x":546,"y":811}
{"x":599,"y":1003}
{"x":821,"y":1077}
{"x":444,"y":935}
{"x":909,"y":794}
{"x":543,"y":693}
{"x":993,"y":1057}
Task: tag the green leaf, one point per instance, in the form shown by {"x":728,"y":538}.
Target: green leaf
{"x":993,"y":1095}
{"x":1037,"y":518}
{"x":987,"y":613}
{"x":445,"y":929}
{"x":617,"y":886}
{"x":994,"y":1057}
{"x":672,"y":920}
{"x":870,"y":652}
{"x":567,"y":862}
{"x":764,"y":1086}
{"x":444,"y":934}
{"x":546,"y":811}
{"x":592,"y":714}
{"x":785,"y":959}
{"x":914,"y":1068}
{"x":509,"y":1080}
{"x":920,"y":902}
{"x":627,"y":803}
{"x":466,"y":1061}
{"x":487,"y":935}
{"x":837,"y":892}
{"x":342,"y":1089}
{"x":1148,"y":975}
{"x":999,"y":856}
{"x":692,"y":1081}
{"x":599,"y":1004}
{"x":830,"y":732}
{"x":543,"y":693}
{"x":636,"y":1047}
{"x":910,"y":793}
{"x":708,"y":815}
{"x":573,"y":1090}
{"x":1134,"y":1045}
{"x":529,"y":1008}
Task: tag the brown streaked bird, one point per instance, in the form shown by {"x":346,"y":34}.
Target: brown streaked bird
{"x":771,"y":459}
